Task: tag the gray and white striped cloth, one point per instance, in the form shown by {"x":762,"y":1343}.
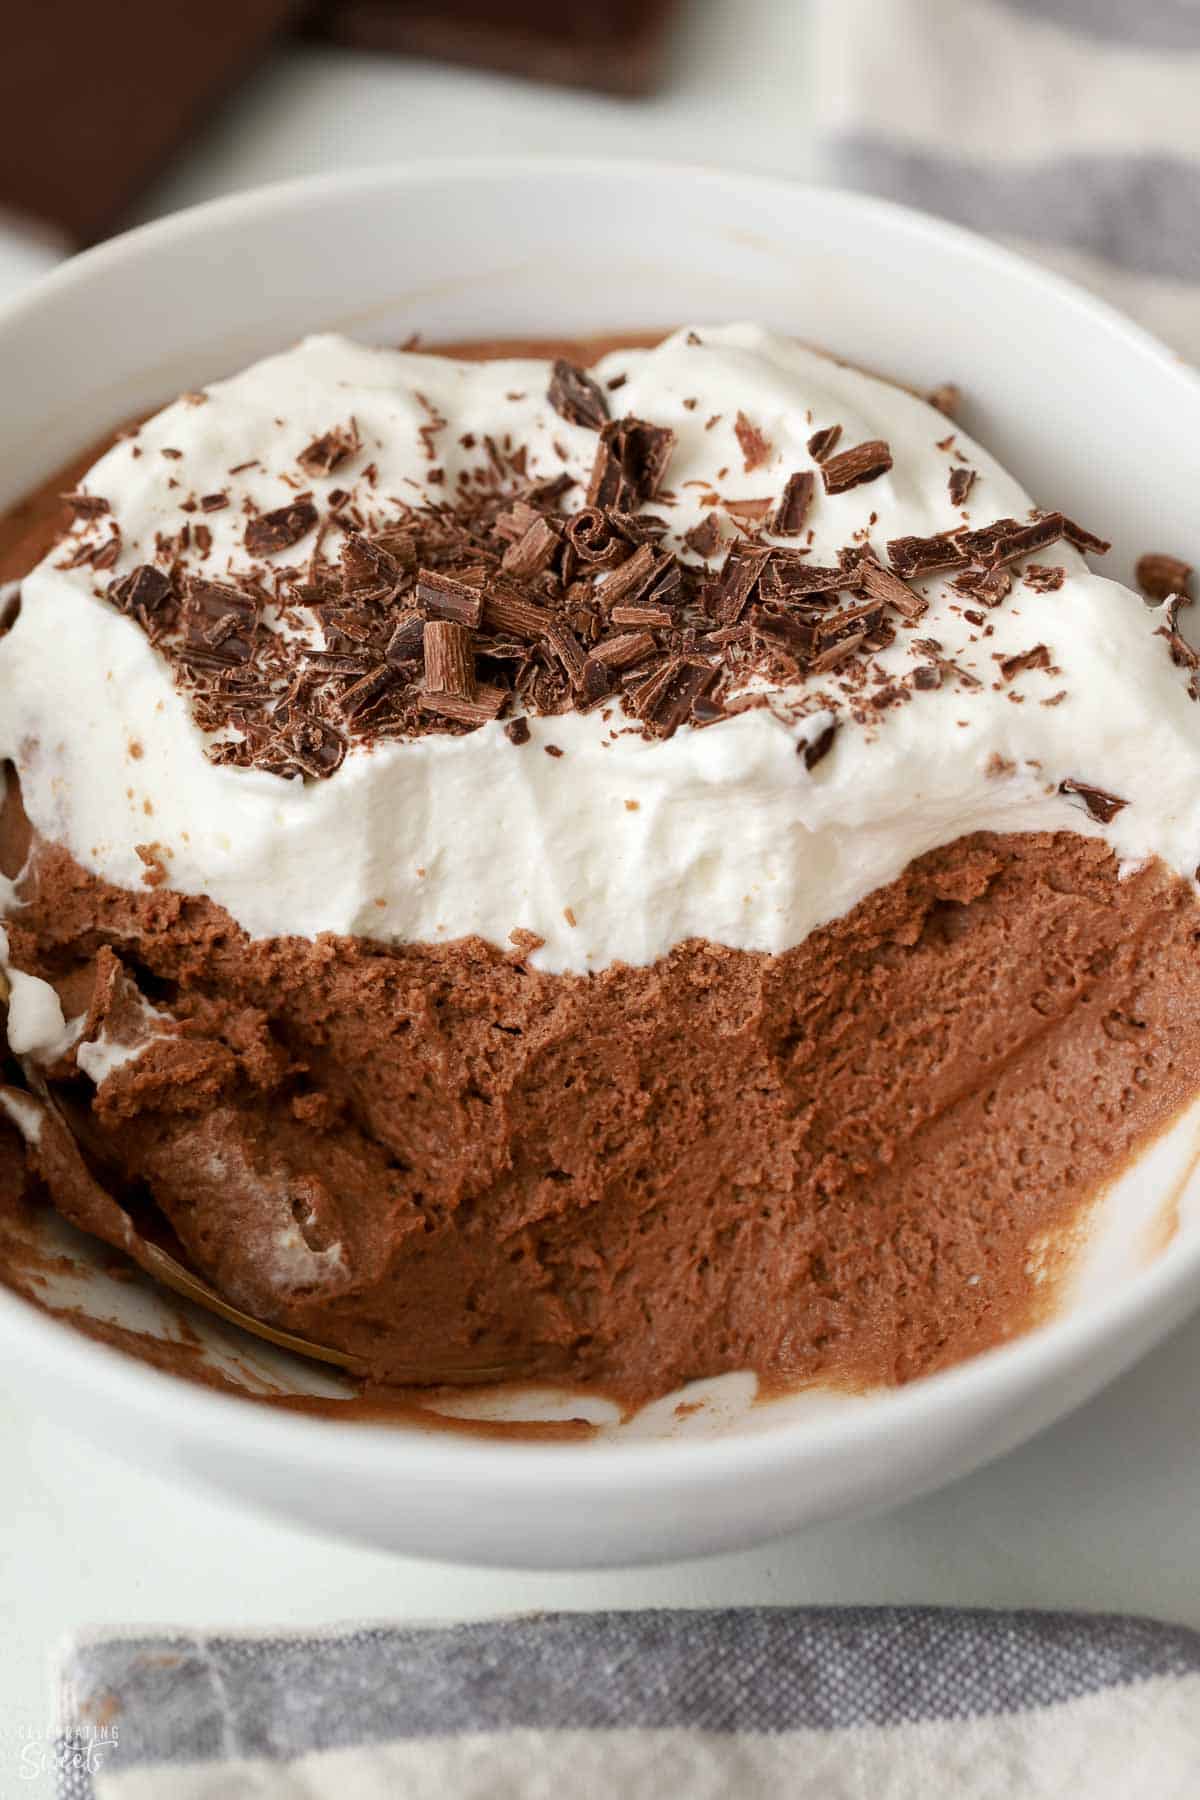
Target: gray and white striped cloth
{"x":1070,"y":129}
{"x":853,"y":1703}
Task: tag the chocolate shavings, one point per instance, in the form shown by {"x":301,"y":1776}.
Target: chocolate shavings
{"x":1037,"y":658}
{"x":280,"y":529}
{"x":792,"y":512}
{"x":449,"y":659}
{"x":330,"y":450}
{"x":576,"y":397}
{"x":822,"y":443}
{"x":962,"y":480}
{"x":850,"y":468}
{"x":631,"y":459}
{"x":1101,"y":806}
{"x":754,"y":446}
{"x":705,"y":538}
{"x":819,"y":747}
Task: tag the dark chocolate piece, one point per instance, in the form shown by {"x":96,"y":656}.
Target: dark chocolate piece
{"x":576,"y":397}
{"x":795,"y":580}
{"x":358,"y":699}
{"x":486,"y":704}
{"x":534,"y":551}
{"x":369,"y":569}
{"x":1037,"y":658}
{"x":280,"y":529}
{"x":646,"y":618}
{"x":962,"y":480}
{"x":1044,"y":578}
{"x":596,"y":537}
{"x":818,"y":748}
{"x":988,"y":585}
{"x":792,"y":512}
{"x":632,"y":578}
{"x":330,"y":450}
{"x":739,"y":577}
{"x":569,"y":651}
{"x":1182,"y":653}
{"x":881,"y":584}
{"x":850,"y":468}
{"x":407,"y":642}
{"x":672,"y":706}
{"x":508,"y":612}
{"x":823,"y":443}
{"x":705,"y":538}
{"x":1102,"y":806}
{"x":755,"y":447}
{"x":631,"y":459}
{"x":912,"y":557}
{"x":142,"y":592}
{"x":219,"y":624}
{"x":624,"y":650}
{"x":86,"y":506}
{"x":449,"y":659}
{"x":445,"y":597}
{"x":1086,"y":542}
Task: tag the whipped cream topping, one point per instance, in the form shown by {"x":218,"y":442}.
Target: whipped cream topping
{"x":620,"y":846}
{"x":36,"y":1026}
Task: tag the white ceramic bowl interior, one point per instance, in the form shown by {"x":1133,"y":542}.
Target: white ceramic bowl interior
{"x":1069,"y":394}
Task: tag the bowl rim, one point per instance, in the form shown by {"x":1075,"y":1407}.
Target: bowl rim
{"x":601,"y":1464}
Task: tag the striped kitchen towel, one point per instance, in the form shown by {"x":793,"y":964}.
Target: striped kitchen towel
{"x":1068,"y":128}
{"x":854,"y":1703}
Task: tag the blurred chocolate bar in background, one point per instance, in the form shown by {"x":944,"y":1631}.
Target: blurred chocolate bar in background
{"x":616,"y":46}
{"x":96,"y":99}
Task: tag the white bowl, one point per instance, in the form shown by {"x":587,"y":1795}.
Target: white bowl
{"x":1071,"y":395}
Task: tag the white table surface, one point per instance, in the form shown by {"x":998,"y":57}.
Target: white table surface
{"x":1100,"y":1513}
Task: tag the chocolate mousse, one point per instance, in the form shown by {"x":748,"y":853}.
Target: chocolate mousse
{"x":608,"y":873}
